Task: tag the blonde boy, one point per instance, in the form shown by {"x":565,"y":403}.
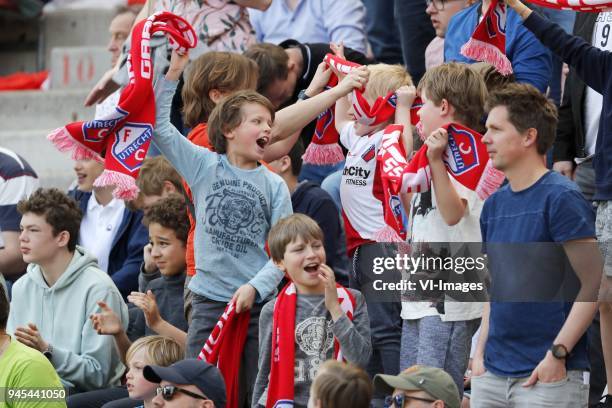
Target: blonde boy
{"x":439,"y":334}
{"x":362,"y":199}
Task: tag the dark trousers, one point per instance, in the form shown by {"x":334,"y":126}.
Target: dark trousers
{"x":204,"y":316}
{"x":98,"y":398}
{"x":382,"y":31}
{"x":416,"y":32}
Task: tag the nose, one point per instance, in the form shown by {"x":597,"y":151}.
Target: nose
{"x":158,"y":401}
{"x":23,"y":237}
{"x":430,"y":9}
{"x":113,"y":45}
{"x":78,"y":165}
{"x":155,"y":251}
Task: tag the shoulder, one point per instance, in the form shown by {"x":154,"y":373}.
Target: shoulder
{"x":155,"y":284}
{"x":13,"y":166}
{"x":356,"y":294}
{"x":267,"y":310}
{"x":463,"y":18}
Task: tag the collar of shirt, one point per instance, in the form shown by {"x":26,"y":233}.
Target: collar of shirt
{"x":114,"y":205}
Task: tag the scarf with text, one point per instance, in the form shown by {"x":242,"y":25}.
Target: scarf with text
{"x":123,"y":136}
{"x":324,"y":148}
{"x":224,"y":348}
{"x":282,"y":371}
{"x":466,"y":159}
{"x":594,"y":6}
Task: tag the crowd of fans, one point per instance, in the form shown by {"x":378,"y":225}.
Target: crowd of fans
{"x":242,"y":275}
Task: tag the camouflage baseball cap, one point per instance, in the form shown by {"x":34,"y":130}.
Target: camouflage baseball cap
{"x":434,"y":381}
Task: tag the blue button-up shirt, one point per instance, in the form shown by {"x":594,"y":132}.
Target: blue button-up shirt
{"x":313,"y":21}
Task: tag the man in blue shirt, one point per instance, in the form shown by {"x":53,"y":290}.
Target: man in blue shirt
{"x":533,"y":353}
{"x":531,"y":61}
{"x":313,"y":21}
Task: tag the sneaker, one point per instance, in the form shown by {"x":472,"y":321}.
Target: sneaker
{"x":606,"y":402}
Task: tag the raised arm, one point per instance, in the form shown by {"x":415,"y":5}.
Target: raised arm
{"x":294,"y":117}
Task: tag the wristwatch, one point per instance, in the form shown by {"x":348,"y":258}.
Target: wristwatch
{"x":559,"y":351}
{"x":49,"y":351}
{"x":302,"y":95}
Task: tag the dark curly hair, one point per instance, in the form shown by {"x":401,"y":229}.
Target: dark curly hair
{"x":170,"y":212}
{"x":59,"y":210}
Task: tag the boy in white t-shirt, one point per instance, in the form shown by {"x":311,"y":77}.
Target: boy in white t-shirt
{"x":362,"y":200}
{"x":439,"y":334}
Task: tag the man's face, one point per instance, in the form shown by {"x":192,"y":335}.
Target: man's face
{"x":281,"y":90}
{"x":119,"y":30}
{"x":441,"y":11}
{"x":180,"y":399}
{"x":505,"y":144}
{"x":36,"y":240}
{"x":415,"y":399}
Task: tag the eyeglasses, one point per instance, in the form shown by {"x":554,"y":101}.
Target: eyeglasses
{"x":397,"y":401}
{"x":437,"y":4}
{"x":168,"y":392}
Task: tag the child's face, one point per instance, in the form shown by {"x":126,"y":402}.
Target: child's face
{"x":432,"y":117}
{"x":301,"y":261}
{"x":87,"y":171}
{"x":361,"y":129}
{"x":137,"y":386}
{"x":248,"y":140}
{"x":37,"y":242}
{"x":168,"y":251}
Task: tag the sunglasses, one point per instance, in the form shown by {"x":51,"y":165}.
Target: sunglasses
{"x":397,"y":401}
{"x":169,"y":391}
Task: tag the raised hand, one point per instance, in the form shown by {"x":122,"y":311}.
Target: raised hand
{"x":106,"y":321}
{"x":147,"y":303}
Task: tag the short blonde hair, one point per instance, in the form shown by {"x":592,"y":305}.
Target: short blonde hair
{"x":159,"y":350}
{"x":385,"y":78}
{"x":288,"y":230}
{"x":342,"y":385}
{"x":462,"y":87}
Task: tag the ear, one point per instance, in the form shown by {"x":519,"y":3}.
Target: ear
{"x":215,"y":95}
{"x":168,"y":188}
{"x":62,"y":238}
{"x":439,"y":404}
{"x":285,"y":164}
{"x":446,"y":109}
{"x":530,"y":137}
{"x":291,"y":65}
{"x":280,"y":265}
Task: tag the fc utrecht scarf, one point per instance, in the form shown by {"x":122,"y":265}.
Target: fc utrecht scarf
{"x":224,"y":348}
{"x":324,"y":148}
{"x":466,"y":159}
{"x":577,"y":5}
{"x":281,"y":385}
{"x":123,"y":136}
{"x":488,"y":42}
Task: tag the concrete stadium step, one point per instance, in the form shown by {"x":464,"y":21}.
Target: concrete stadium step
{"x":23,"y":110}
{"x":76,"y":27}
{"x":78,"y":67}
{"x":54,"y":169}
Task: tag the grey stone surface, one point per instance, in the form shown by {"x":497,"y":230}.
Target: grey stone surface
{"x":78,"y":67}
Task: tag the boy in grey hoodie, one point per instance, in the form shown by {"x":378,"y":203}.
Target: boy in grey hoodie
{"x":52,"y":302}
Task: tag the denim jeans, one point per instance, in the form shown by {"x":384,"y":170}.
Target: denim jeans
{"x":316,"y":173}
{"x":331,"y":184}
{"x":492,"y":391}
{"x":416,"y":32}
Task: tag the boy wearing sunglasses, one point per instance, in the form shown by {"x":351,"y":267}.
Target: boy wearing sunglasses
{"x":418,"y":387}
{"x":188,"y":383}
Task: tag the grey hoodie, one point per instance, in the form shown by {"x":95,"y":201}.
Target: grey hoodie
{"x":83,"y":359}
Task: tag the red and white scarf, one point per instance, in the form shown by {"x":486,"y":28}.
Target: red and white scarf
{"x":324,"y":148}
{"x":466,"y":159}
{"x":577,"y":5}
{"x":224,"y":349}
{"x":123,"y":136}
{"x":281,"y":384}
{"x":488,"y":42}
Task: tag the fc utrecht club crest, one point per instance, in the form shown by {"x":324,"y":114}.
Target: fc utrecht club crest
{"x":396,"y":205}
{"x":97,"y":129}
{"x":496,"y":20}
{"x":325,"y":119}
{"x":130,"y":142}
{"x":461,"y":154}
{"x":369,"y":154}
